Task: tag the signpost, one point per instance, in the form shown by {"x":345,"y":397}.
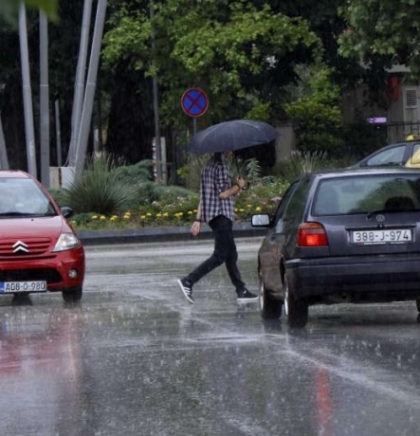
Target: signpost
{"x":194,"y":103}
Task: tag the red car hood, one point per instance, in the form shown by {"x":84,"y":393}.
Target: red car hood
{"x":45,"y":227}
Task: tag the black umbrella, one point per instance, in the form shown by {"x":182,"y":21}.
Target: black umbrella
{"x":232,"y":135}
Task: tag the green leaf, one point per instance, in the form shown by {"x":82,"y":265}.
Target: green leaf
{"x":9,"y":9}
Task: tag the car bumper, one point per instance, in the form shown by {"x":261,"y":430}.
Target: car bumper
{"x":377,"y":278}
{"x":54,"y":268}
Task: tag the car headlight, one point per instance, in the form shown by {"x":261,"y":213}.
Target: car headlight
{"x":66,"y":241}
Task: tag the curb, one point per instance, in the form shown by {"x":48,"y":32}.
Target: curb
{"x":156,"y":234}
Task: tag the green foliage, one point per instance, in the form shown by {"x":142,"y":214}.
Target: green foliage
{"x":132,"y":174}
{"x":99,"y":190}
{"x":386,"y":29}
{"x":9,"y":9}
{"x":262,"y":196}
{"x":57,"y":194}
{"x":227,"y":48}
{"x":191,"y":172}
{"x":301,"y":163}
{"x":317,"y":112}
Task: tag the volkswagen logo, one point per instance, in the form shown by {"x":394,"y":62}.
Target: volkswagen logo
{"x":380,"y":218}
{"x":20,"y":246}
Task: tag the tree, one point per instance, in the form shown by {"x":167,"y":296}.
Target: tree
{"x":10,"y":8}
{"x":383,"y":30}
{"x":63,"y":51}
{"x":241,"y":54}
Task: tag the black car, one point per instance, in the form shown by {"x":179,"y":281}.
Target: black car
{"x":348,"y":236}
{"x":391,"y":155}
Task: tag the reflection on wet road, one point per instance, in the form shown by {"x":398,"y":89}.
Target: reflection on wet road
{"x":136,"y":359}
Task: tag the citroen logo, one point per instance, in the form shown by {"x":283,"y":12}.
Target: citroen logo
{"x":20,"y":246}
{"x":380,"y":218}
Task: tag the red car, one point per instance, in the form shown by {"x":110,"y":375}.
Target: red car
{"x":39,"y":250}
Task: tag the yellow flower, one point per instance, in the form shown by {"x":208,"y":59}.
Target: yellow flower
{"x":158,"y":215}
{"x":143,"y":217}
{"x":189,"y":212}
{"x":148,"y":214}
{"x":127,"y":217}
{"x":241,"y":210}
{"x":113,"y":218}
{"x":249,"y":205}
{"x":102,"y":217}
{"x":166,"y":214}
{"x":258,"y":209}
{"x":95,"y":217}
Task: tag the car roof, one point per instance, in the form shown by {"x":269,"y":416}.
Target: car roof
{"x":14,"y":174}
{"x":354,"y":172}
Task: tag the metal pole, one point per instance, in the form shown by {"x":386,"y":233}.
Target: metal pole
{"x":156,"y":101}
{"x":27,"y":93}
{"x":44,"y":100}
{"x":4,"y":162}
{"x":80,"y":81}
{"x":58,"y":132}
{"x":86,"y":116}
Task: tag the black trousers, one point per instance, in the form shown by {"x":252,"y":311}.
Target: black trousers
{"x":224,"y":252}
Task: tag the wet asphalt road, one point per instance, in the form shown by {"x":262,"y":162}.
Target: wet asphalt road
{"x":136,"y":359}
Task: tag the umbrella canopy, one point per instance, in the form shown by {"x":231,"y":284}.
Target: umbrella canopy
{"x":232,"y":135}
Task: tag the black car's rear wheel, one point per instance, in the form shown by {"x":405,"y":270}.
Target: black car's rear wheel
{"x":72,"y":295}
{"x":418,"y":304}
{"x":296,"y":310}
{"x":270,"y":307}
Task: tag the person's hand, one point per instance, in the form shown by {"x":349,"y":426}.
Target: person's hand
{"x":195,"y":228}
{"x":240,"y":182}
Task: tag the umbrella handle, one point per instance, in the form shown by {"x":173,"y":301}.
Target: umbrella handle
{"x":236,"y":163}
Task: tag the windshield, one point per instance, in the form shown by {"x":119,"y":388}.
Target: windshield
{"x":23,"y":197}
{"x":366,"y":194}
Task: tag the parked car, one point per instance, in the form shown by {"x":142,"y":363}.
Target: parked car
{"x":39,"y":251}
{"x":350,"y":235}
{"x":400,"y":154}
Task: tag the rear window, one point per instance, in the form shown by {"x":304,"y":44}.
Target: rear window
{"x":364,"y":194}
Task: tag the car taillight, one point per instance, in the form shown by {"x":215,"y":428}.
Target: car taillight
{"x":312,"y":235}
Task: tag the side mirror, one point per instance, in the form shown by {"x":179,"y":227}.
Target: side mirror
{"x":260,"y":220}
{"x":67,"y":212}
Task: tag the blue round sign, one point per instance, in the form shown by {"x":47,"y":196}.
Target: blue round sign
{"x":194,"y":102}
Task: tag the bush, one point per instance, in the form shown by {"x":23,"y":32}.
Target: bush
{"x":132,"y":174}
{"x":301,"y":163}
{"x":99,"y":189}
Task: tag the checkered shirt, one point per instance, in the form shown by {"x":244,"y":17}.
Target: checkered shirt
{"x":216,"y":178}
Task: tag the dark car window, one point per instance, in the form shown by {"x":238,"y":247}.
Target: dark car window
{"x":284,"y":201}
{"x":364,"y":194}
{"x":391,"y":156}
{"x":295,"y":206}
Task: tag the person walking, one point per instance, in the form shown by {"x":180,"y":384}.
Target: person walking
{"x":217,"y":209}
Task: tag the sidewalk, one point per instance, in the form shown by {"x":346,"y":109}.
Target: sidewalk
{"x":155,"y":234}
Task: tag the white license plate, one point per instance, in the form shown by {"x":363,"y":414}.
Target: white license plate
{"x":368,"y":237}
{"x":35,"y":286}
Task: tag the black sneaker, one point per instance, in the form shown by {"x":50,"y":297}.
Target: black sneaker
{"x":186,"y":289}
{"x":244,"y":296}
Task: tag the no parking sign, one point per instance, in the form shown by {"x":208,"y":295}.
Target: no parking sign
{"x":194,"y":102}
